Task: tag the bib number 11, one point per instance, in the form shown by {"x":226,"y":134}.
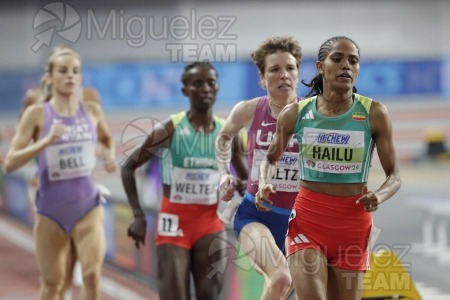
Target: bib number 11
{"x":167,"y":224}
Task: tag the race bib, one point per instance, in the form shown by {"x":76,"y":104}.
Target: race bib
{"x":168,"y":224}
{"x":194,"y":186}
{"x":333,"y":151}
{"x":286,"y":178}
{"x":71,"y":160}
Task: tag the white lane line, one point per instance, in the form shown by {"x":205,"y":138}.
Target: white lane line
{"x":25,"y":241}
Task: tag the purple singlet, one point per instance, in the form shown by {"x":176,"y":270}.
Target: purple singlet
{"x":67,"y":191}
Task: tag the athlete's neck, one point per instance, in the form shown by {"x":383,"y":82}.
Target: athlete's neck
{"x":281,"y":103}
{"x":65,"y":106}
{"x":201,"y":121}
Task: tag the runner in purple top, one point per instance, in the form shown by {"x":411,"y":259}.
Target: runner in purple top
{"x":33,"y":96}
{"x":66,"y":166}
{"x":62,"y":133}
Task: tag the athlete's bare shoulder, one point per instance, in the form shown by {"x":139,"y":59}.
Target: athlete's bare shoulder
{"x":32,"y":96}
{"x":93,"y":107}
{"x":291,"y":108}
{"x":33,"y":114}
{"x":36,"y":107}
{"x":379,"y":118}
{"x":243,"y":112}
{"x":248,"y":104}
{"x":90,"y":94}
{"x":288,"y":116}
{"x":377,"y":109}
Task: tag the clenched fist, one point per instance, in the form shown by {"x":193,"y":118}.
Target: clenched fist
{"x":110,"y":165}
{"x":55,"y":132}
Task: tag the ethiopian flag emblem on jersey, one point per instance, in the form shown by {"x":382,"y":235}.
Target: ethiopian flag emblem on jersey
{"x":357,"y":116}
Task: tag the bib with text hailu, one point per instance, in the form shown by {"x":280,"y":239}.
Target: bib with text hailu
{"x":333,"y":151}
{"x":194,"y":186}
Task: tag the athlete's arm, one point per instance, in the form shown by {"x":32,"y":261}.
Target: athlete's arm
{"x":108,"y":148}
{"x":21,"y":151}
{"x":159,"y":137}
{"x":239,"y":161}
{"x":382,"y":134}
{"x":240,"y":117}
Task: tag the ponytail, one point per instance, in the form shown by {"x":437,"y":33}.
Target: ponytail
{"x":46,"y":89}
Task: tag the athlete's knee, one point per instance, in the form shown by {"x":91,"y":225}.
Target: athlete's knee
{"x":52,"y":287}
{"x":91,"y":278}
{"x":209,"y":287}
{"x":280,"y":280}
{"x":210,"y":290}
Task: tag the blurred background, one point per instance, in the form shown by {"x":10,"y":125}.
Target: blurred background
{"x":133,"y":53}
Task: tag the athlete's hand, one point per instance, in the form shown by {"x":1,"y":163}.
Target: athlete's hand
{"x":241,"y":187}
{"x":263,"y":196}
{"x":55,"y":132}
{"x":110,"y":165}
{"x":227,"y":187}
{"x":369,"y":200}
{"x":137,"y":230}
